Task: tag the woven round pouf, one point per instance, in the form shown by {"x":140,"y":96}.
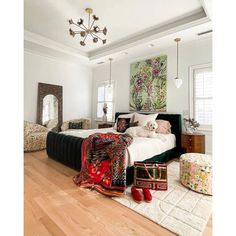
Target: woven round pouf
{"x":196,"y":172}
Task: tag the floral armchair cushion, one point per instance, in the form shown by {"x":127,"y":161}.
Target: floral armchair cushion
{"x":30,"y":127}
{"x":86,"y":123}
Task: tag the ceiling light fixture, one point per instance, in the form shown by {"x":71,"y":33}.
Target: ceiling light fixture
{"x":89,"y":30}
{"x":177,"y":80}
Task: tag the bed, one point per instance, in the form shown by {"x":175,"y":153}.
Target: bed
{"x":66,"y":147}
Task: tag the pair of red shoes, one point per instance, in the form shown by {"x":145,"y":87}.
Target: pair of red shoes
{"x":137,"y":196}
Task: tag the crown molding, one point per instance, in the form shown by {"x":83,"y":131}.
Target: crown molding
{"x":50,"y":57}
{"x":181,"y":23}
{"x":195,"y":18}
{"x":207,"y":6}
{"x":145,"y":55}
{"x":33,"y":52}
{"x":48,"y":43}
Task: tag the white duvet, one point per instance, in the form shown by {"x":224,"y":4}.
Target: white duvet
{"x":140,"y":149}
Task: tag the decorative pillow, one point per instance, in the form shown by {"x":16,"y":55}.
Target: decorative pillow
{"x":130,"y":115}
{"x":143,"y":119}
{"x":134,"y":124}
{"x":122,"y":124}
{"x":164,"y":127}
{"x":75,"y":125}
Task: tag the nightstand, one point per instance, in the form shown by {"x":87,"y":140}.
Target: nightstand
{"x":193,"y":142}
{"x":106,"y":125}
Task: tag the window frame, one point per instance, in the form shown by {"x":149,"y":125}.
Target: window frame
{"x":104,"y":83}
{"x":192,"y":95}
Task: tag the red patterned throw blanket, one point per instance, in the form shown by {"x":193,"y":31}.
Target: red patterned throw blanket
{"x":104,"y":163}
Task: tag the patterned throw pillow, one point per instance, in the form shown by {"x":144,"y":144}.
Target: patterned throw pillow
{"x":75,"y":125}
{"x":129,"y":115}
{"x":122,"y":124}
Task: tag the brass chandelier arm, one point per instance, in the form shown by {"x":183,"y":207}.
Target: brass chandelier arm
{"x":78,"y":26}
{"x":85,"y":28}
{"x":94,"y":35}
{"x":91,"y":25}
{"x":77,"y":32}
{"x":85,"y":37}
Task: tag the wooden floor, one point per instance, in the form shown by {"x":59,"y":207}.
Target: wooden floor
{"x":55,"y":206}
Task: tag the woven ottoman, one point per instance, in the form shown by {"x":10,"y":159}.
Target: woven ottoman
{"x":196,"y":172}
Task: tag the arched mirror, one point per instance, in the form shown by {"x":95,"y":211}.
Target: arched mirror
{"x":50,"y":106}
{"x":50,"y":111}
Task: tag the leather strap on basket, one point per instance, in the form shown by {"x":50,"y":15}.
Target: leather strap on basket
{"x":149,"y":175}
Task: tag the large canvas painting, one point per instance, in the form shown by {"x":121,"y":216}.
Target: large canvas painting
{"x":148,"y":84}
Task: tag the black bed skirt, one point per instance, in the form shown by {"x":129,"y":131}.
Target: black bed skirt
{"x":66,"y":149}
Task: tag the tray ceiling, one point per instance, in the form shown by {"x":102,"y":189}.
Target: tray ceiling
{"x":128,"y":22}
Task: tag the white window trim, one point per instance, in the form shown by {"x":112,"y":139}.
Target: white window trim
{"x":191,"y":92}
{"x":114,"y":99}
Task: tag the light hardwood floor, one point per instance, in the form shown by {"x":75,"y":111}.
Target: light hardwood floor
{"x":54,"y":205}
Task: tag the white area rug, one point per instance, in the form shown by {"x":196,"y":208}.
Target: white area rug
{"x":178,"y":209}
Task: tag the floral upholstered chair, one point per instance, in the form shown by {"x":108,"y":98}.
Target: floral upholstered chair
{"x":82,"y":123}
{"x":34,"y":137}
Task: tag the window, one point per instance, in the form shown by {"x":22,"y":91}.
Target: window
{"x":105,"y":95}
{"x":201,"y":81}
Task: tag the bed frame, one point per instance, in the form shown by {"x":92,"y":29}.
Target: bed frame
{"x":66,"y":149}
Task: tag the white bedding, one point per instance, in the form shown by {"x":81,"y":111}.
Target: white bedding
{"x":140,"y":149}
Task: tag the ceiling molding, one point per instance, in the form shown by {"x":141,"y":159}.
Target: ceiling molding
{"x":207,"y":6}
{"x":50,"y":57}
{"x":190,"y":20}
{"x":48,"y":43}
{"x":195,"y":18}
{"x":148,"y":54}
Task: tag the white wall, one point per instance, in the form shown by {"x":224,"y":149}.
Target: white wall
{"x":191,"y":53}
{"x":75,"y":79}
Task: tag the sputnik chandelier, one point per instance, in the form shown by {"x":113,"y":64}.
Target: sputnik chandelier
{"x":89,"y":30}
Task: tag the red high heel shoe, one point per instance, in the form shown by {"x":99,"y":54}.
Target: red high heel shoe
{"x":147,"y":195}
{"x":136,"y":195}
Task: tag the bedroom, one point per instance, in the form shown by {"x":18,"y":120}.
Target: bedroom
{"x":89,"y":80}
{"x":118,"y":99}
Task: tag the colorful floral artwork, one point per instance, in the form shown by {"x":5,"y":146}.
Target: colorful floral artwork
{"x":148,"y":84}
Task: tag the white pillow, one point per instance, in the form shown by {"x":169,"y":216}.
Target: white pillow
{"x":130,"y":115}
{"x":143,"y":119}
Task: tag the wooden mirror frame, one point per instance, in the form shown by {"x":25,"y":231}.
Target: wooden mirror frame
{"x":44,"y":90}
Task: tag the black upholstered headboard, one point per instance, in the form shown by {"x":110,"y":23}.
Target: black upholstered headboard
{"x":175,"y":121}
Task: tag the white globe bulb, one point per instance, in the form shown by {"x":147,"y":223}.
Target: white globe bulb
{"x":178,"y":82}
